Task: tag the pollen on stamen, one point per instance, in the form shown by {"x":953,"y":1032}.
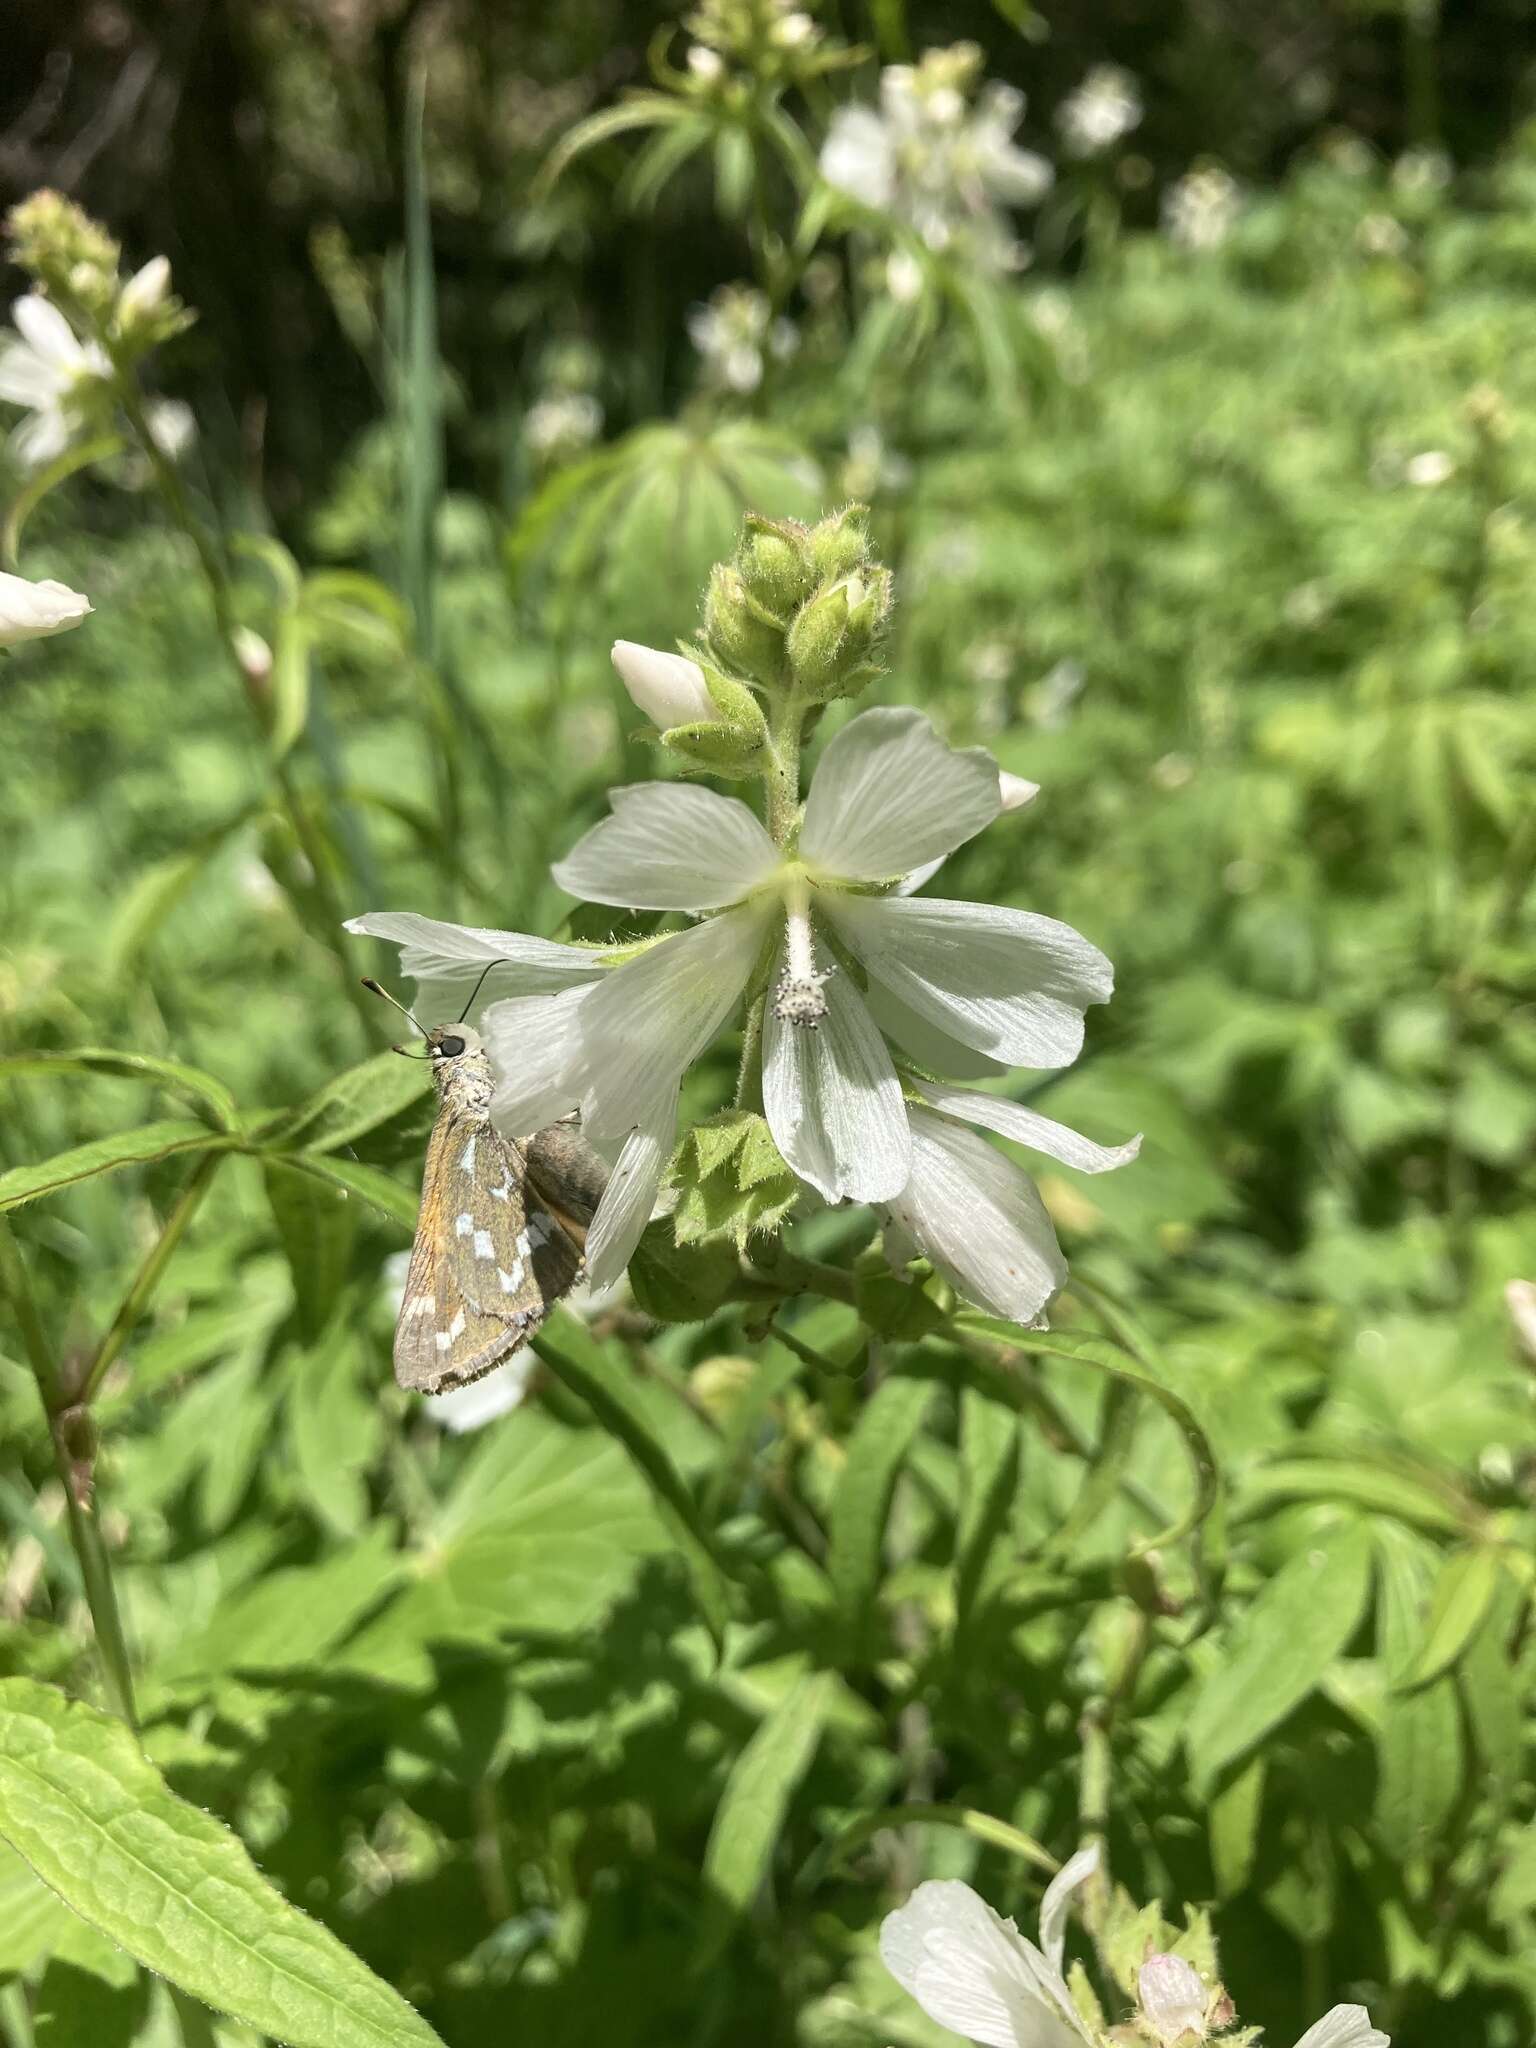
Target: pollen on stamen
{"x":798,"y":1000}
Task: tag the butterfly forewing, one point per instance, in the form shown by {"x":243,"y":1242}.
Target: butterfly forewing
{"x":490,"y":1258}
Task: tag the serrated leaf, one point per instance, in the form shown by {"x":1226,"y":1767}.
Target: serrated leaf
{"x":351,"y":1104}
{"x":141,"y":1147}
{"x":753,"y":1806}
{"x":1459,"y":1603}
{"x":1279,"y":1650}
{"x":881,"y":1439}
{"x":173,"y":1886}
{"x":175,"y":1075}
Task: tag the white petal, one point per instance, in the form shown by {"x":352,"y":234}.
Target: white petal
{"x":925,"y":1042}
{"x":669,"y":688}
{"x":446,"y":960}
{"x":43,"y":327}
{"x":910,"y":884}
{"x":1172,"y":1997}
{"x":630,"y":1196}
{"x":979,"y":1220}
{"x":26,"y":378}
{"x":1057,"y":1903}
{"x":1007,"y":982}
{"x":494,"y":1394}
{"x":39,"y":439}
{"x":669,"y":846}
{"x":1014,"y":791}
{"x":31,"y":611}
{"x":1029,"y":1127}
{"x":833,"y":1101}
{"x":1347,"y":2026}
{"x":1520,"y":1300}
{"x":974,"y":1972}
{"x":888,"y":795}
{"x":651,"y":1018}
{"x":145,"y":290}
{"x":535,"y":1046}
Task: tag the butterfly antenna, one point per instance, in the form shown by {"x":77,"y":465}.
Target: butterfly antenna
{"x":373,"y":988}
{"x":480,"y":984}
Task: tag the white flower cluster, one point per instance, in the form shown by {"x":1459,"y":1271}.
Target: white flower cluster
{"x":1103,"y":110}
{"x":63,"y":382}
{"x":871,"y":992}
{"x":974,"y":1972}
{"x":939,"y":158}
{"x":561,"y":424}
{"x":1200,"y":209}
{"x":736,"y":335}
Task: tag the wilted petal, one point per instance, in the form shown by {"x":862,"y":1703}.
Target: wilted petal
{"x":1347,"y":2026}
{"x":446,"y":960}
{"x":1173,"y":1999}
{"x":1029,"y":1127}
{"x":535,"y":1046}
{"x":669,"y":688}
{"x":1008,"y":982}
{"x":32,"y":611}
{"x":651,"y":1018}
{"x":980,"y":1221}
{"x":669,"y":846}
{"x":1057,"y":1903}
{"x":925,"y":1042}
{"x":833,"y":1101}
{"x":974,"y":1972}
{"x":888,"y":795}
{"x":630,"y":1196}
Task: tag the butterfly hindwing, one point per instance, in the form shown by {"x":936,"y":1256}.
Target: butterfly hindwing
{"x":488,"y":1263}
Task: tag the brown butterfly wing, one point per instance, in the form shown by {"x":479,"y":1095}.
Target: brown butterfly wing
{"x":488,"y":1263}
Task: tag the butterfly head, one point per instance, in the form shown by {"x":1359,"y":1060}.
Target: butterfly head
{"x":446,"y":1042}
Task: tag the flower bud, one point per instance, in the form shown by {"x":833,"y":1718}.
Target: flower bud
{"x":668,"y":688}
{"x":1173,"y":2000}
{"x":253,"y":654}
{"x":774,"y":566}
{"x":1014,"y":791}
{"x":59,"y":244}
{"x":839,"y":545}
{"x":33,"y":611}
{"x":742,"y":632}
{"x":833,"y":637}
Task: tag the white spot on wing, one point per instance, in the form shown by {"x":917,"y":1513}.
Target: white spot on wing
{"x":510,"y":1282}
{"x":467,"y":1157}
{"x":455,"y":1329}
{"x":464,"y":1224}
{"x":484,"y":1247}
{"x":420,"y":1305}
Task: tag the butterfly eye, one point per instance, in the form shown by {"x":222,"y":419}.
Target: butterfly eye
{"x":450,"y":1048}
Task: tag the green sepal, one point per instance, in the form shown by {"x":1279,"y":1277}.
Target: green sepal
{"x":742,"y":633}
{"x":715,"y":748}
{"x":775,"y":565}
{"x":675,"y":1283}
{"x":732,"y":1181}
{"x":839,"y":545}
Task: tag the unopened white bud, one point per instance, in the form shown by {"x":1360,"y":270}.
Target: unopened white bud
{"x":1014,"y":791}
{"x":705,"y":63}
{"x":1173,"y":1999}
{"x":1520,"y":1300}
{"x":668,"y":688}
{"x":31,"y":611}
{"x":252,"y":653}
{"x":145,"y":291}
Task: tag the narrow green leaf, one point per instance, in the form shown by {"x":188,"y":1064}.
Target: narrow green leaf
{"x":989,"y":1475}
{"x":1279,"y":1649}
{"x":104,"y":1155}
{"x":174,"y":1075}
{"x":1362,"y":1479}
{"x":349,"y":1105}
{"x":982,"y":1827}
{"x":392,"y":1198}
{"x":1419,"y":1751}
{"x":751,"y":1814}
{"x":316,"y":1223}
{"x":1458,"y":1606}
{"x":173,"y":1886}
{"x":420,"y":382}
{"x":856,"y":1525}
{"x":1492,"y":1694}
{"x":1233,"y":1827}
{"x":99,"y":448}
{"x":290,"y":683}
{"x":570,"y":1351}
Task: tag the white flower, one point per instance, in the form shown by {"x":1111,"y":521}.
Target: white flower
{"x":31,"y":611}
{"x":1200,"y":207}
{"x":1430,"y":467}
{"x":961,"y":988}
{"x":668,"y":688}
{"x":145,"y":291}
{"x":1173,"y":1999}
{"x":1520,"y":1300}
{"x":494,"y":1394}
{"x":172,"y":426}
{"x":705,"y":63}
{"x":562,"y":423}
{"x":974,"y":1972}
{"x":735,"y":332}
{"x":1346,"y":2026}
{"x":1105,"y":107}
{"x":45,"y":367}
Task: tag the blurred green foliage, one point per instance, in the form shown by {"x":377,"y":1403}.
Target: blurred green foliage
{"x":1237,"y":566}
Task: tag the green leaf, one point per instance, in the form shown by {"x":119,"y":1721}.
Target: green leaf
{"x":173,"y":1886}
{"x":139,"y":1147}
{"x":315,"y":1224}
{"x":681,"y":1283}
{"x":290,"y":683}
{"x":1279,"y":1650}
{"x":349,"y":1105}
{"x":379,"y":1189}
{"x":1458,"y":1606}
{"x":753,"y":1806}
{"x":989,"y":1476}
{"x":570,"y":1351}
{"x":1419,"y":1742}
{"x":1233,"y":1827}
{"x":880,"y":1442}
{"x":174,"y":1075}
{"x":1364,"y":1480}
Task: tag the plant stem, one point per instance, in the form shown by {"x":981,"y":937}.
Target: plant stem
{"x":148,"y":1276}
{"x":72,"y":1438}
{"x":786,"y":724}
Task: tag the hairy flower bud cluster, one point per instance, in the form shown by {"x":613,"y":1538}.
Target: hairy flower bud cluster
{"x":802,"y":607}
{"x":78,"y":265}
